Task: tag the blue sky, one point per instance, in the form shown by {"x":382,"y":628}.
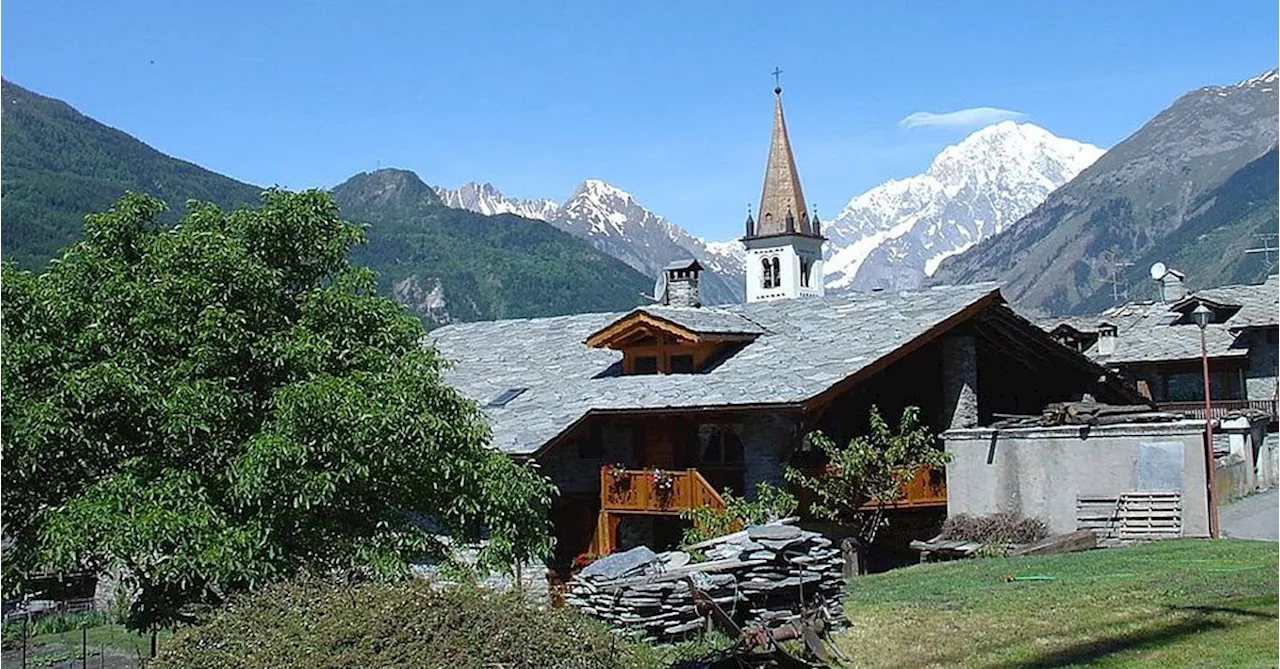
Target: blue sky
{"x":671,"y":101}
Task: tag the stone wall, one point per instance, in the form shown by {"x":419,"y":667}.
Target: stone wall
{"x":1268,"y":467}
{"x":959,"y":382}
{"x":572,"y":473}
{"x":683,"y":292}
{"x":1039,"y":472}
{"x":1233,"y":478}
{"x":1260,"y":374}
{"x":766,"y":445}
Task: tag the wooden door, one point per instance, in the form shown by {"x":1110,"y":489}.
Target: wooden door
{"x":657,"y":444}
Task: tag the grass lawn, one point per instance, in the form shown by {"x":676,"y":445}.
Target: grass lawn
{"x":1179,"y":603}
{"x":118,"y":647}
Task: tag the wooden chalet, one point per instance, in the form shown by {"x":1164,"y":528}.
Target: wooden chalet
{"x":636,"y":416}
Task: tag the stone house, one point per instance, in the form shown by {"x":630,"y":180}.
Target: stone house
{"x":1156,"y":345}
{"x":638,"y":415}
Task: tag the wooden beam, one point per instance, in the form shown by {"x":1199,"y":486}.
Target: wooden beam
{"x":611,"y":335}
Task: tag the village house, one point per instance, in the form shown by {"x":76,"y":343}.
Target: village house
{"x":1157,"y":346}
{"x":717,"y":398}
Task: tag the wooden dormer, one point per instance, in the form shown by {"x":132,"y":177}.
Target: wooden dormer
{"x":671,"y":340}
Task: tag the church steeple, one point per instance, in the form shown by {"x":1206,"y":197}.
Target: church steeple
{"x":782,"y":207}
{"x":783,"y":242}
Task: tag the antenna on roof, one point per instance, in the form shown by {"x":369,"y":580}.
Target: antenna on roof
{"x":1268,"y":247}
{"x":1158,"y":271}
{"x":1119,"y":292}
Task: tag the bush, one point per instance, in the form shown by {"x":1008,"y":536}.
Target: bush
{"x":313,"y":623}
{"x":998,"y":528}
{"x":57,"y":623}
{"x":772,"y":503}
{"x":11,"y":634}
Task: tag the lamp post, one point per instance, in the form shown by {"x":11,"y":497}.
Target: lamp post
{"x":1201,"y":315}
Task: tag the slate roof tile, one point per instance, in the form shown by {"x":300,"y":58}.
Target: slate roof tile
{"x":804,"y":346}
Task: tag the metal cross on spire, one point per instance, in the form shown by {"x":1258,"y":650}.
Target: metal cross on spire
{"x":777,"y":79}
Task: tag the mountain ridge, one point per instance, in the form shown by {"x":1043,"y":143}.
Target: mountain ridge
{"x":894,"y":235}
{"x":612,"y":220}
{"x":1142,"y":190}
{"x":60,"y":165}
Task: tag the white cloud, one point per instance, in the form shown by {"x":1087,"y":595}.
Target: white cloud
{"x":961,"y":118}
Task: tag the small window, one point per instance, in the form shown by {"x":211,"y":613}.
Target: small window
{"x":646,"y":364}
{"x":766,"y":276}
{"x":777,"y":273}
{"x":506,"y":396}
{"x":804,"y":273}
{"x":682,"y":364}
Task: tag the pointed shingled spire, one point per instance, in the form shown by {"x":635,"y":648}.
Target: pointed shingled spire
{"x":782,"y":199}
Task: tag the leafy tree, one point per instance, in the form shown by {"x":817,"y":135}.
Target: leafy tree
{"x":771,"y":503}
{"x":207,"y":407}
{"x":869,"y":472}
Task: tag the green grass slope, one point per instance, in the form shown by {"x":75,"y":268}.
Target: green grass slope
{"x":58,"y":165}
{"x":1179,"y":603}
{"x":456,"y":265}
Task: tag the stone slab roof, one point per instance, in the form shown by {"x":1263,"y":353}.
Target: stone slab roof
{"x":706,"y":321}
{"x":1259,"y":303}
{"x":1152,"y":339}
{"x":1148,"y":333}
{"x":805,"y":346}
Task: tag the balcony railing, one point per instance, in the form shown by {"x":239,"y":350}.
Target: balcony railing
{"x":662,"y":491}
{"x":1220,"y":407}
{"x":927,"y":488}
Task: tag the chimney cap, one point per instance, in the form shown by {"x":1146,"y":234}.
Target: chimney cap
{"x":689,"y":263}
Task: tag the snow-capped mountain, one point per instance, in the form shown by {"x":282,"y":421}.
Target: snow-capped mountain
{"x":485,"y":199}
{"x":613,"y":221}
{"x":896,"y":234}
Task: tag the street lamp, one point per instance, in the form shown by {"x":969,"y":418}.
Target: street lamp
{"x":1202,"y":315}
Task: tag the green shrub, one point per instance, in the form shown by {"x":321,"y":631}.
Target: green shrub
{"x":57,"y":623}
{"x":11,"y":634}
{"x":313,"y":623}
{"x":771,"y":503}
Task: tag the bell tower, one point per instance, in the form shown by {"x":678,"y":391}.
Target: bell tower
{"x":784,"y":242}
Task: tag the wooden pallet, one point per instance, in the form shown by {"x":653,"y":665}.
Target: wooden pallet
{"x":1130,"y":517}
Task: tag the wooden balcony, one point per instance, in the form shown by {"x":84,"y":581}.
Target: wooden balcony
{"x":926,"y":488}
{"x":647,"y":491}
{"x":659,"y":491}
{"x":1220,"y":408}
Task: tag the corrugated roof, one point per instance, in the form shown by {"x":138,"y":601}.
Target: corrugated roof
{"x":804,"y":347}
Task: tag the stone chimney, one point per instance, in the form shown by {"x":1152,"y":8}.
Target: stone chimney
{"x":1108,"y":335}
{"x":682,"y":284}
{"x":1172,"y":288}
